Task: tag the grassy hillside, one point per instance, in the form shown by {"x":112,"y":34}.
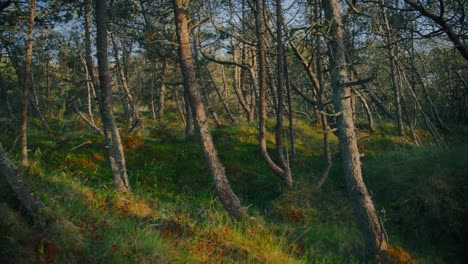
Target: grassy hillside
{"x":174,"y":216}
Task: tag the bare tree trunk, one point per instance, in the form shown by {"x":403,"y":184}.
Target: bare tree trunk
{"x":179,"y":107}
{"x":89,"y":90}
{"x":281,"y":172}
{"x":26,"y":84}
{"x":280,"y":92}
{"x":210,"y":108}
{"x":152,"y":107}
{"x":368,"y":220}
{"x":188,"y":117}
{"x":393,"y":73}
{"x":88,"y":52}
{"x":215,"y":86}
{"x":227,"y":197}
{"x":292,"y":138}
{"x":116,"y":153}
{"x":129,"y":101}
{"x":238,"y":82}
{"x":162,"y":92}
{"x":363,"y":100}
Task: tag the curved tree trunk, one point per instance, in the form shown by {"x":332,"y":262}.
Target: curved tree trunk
{"x":367,"y":218}
{"x":111,"y":132}
{"x":283,"y":172}
{"x":227,"y":197}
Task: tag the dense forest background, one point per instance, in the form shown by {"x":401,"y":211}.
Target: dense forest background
{"x":222,"y":131}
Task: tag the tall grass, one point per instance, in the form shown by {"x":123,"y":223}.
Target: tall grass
{"x":173,"y":214}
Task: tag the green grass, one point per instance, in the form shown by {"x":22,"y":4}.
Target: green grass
{"x":173,"y":214}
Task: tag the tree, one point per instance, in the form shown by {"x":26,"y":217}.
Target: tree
{"x":227,"y":197}
{"x":26,"y":83}
{"x":282,"y":170}
{"x":443,"y":22}
{"x":116,"y":154}
{"x":368,"y":220}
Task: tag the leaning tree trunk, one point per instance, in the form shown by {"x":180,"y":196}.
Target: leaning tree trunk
{"x":393,"y":73}
{"x":227,"y":197}
{"x":34,"y":208}
{"x":111,"y":132}
{"x":26,"y":84}
{"x":368,"y":220}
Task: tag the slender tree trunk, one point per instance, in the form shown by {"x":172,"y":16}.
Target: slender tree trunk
{"x":26,"y":84}
{"x":282,"y":172}
{"x":238,"y":82}
{"x":218,"y":92}
{"x":152,"y":107}
{"x":393,"y":73}
{"x":162,"y":92}
{"x":179,"y":107}
{"x":368,"y":220}
{"x":280,"y":92}
{"x":128,"y":100}
{"x":116,"y":153}
{"x":88,"y":51}
{"x":227,"y":197}
{"x":367,"y":109}
{"x":292,"y":138}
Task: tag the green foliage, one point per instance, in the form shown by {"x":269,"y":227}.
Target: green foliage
{"x":173,"y":214}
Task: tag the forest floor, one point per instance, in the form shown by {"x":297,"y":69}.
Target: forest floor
{"x":173,"y":215}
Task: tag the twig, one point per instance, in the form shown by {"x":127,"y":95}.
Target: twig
{"x":82,"y":144}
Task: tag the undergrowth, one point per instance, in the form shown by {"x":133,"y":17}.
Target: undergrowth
{"x":173,"y":214}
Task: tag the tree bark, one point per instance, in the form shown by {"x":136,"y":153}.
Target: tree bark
{"x":280,"y":92}
{"x":393,"y":73}
{"x":129,"y":102}
{"x":292,"y":138}
{"x":26,"y":84}
{"x":116,"y":154}
{"x":162,"y":92}
{"x":227,"y":197}
{"x":238,"y":82}
{"x":282,"y":172}
{"x":367,"y":218}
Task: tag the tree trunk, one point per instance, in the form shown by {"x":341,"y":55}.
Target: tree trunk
{"x":227,"y":197}
{"x":116,"y":153}
{"x":368,"y":220}
{"x":218,"y":92}
{"x":162,"y":92}
{"x":35,"y":208}
{"x":280,"y":91}
{"x":26,"y":84}
{"x":88,"y":52}
{"x":283,"y":172}
{"x":292,"y":138}
{"x":393,"y":73}
{"x":188,"y":118}
{"x":238,"y":82}
{"x":128,"y":100}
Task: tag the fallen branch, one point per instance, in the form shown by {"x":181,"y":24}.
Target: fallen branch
{"x":94,"y":127}
{"x":57,"y":226}
{"x":82,"y":144}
